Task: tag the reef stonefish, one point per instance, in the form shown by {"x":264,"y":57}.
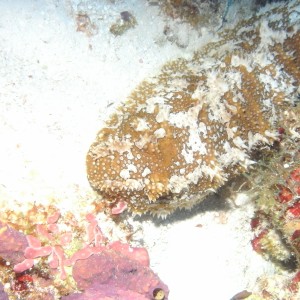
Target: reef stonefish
{"x":183,"y":133}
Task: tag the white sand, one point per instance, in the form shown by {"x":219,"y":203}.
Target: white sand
{"x":57,"y":86}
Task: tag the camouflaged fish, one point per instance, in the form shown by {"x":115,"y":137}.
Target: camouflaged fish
{"x":186,"y":131}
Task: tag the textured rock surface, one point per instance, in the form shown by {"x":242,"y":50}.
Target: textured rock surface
{"x":277,"y":224}
{"x":117,"y":275}
{"x":183,"y":133}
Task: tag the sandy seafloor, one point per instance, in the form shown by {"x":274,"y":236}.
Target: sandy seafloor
{"x":57,"y":86}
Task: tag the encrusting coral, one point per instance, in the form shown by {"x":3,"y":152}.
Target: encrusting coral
{"x":65,"y":258}
{"x":185,"y":132}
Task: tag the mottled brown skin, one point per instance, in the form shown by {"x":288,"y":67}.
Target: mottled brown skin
{"x":185,"y":132}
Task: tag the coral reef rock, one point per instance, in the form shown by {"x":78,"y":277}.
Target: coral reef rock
{"x":112,"y":274}
{"x":277,"y":225}
{"x":183,"y":133}
{"x":63,"y":256}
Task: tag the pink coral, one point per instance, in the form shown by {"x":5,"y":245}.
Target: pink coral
{"x":55,"y":252}
{"x":119,"y":208}
{"x":26,"y":264}
{"x":57,"y":241}
{"x":97,"y":259}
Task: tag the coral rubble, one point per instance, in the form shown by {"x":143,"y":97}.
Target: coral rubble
{"x":183,"y":133}
{"x":125,"y":22}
